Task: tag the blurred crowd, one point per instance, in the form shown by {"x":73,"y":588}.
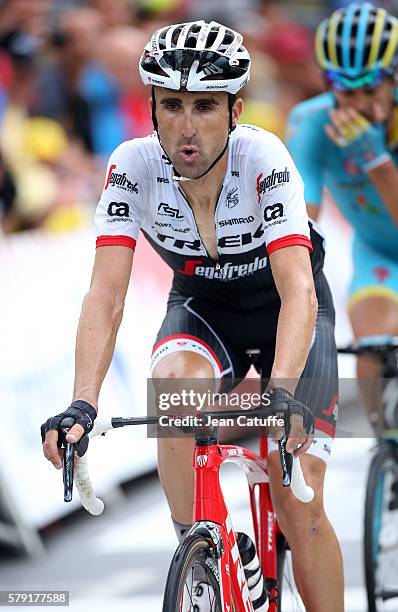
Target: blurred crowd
{"x":70,"y":91}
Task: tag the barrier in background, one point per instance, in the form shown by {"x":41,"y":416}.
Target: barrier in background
{"x":42,"y":283}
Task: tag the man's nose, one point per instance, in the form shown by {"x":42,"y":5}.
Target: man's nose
{"x":188,"y":127}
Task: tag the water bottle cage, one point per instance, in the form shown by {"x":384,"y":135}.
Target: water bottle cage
{"x":271,"y":586}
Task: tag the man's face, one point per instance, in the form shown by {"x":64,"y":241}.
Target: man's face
{"x":375,"y":104}
{"x":193,"y":127}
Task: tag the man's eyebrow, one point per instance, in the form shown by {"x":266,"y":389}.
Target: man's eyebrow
{"x":168,"y":100}
{"x":207,"y":101}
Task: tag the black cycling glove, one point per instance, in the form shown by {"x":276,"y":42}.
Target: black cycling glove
{"x":283,"y":400}
{"x":80,"y":411}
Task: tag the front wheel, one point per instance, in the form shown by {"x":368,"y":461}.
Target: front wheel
{"x":191,"y":585}
{"x":287,"y":590}
{"x":381,"y":531}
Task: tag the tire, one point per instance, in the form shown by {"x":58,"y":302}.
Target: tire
{"x":188,"y":558}
{"x":381,"y":464}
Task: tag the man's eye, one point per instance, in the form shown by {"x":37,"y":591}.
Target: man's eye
{"x":171,"y":106}
{"x":204,"y":107}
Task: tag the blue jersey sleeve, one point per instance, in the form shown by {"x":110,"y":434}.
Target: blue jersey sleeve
{"x":306,"y":143}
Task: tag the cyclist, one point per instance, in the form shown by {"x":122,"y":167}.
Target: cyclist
{"x":223,"y":205}
{"x":346,"y":140}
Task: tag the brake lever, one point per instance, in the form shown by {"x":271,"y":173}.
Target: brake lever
{"x":68,"y":462}
{"x":286,"y":462}
{"x":286,"y":458}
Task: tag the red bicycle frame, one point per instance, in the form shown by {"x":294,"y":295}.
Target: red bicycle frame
{"x":210,"y":509}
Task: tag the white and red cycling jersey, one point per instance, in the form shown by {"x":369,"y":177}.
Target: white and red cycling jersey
{"x":260,"y":209}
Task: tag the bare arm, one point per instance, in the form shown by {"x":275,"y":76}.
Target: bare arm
{"x":100,"y":319}
{"x":385,"y":179}
{"x":96,"y":335}
{"x":291,"y":269}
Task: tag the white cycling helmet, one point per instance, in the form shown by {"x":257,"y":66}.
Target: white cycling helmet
{"x":196,"y":56}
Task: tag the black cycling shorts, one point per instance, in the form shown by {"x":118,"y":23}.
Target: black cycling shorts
{"x":224,"y":335}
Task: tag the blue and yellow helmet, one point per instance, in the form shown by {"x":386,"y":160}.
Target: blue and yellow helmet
{"x":357,"y":46}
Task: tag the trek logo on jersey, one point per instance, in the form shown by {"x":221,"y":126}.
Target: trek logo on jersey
{"x":227,"y":272}
{"x":161,"y":179}
{"x":271,"y":181}
{"x":232,"y":198}
{"x":224,"y":242}
{"x":177,"y":243}
{"x":116,"y":179}
{"x":240,"y":240}
{"x":167,"y":211}
{"x":120,"y":210}
{"x":236,"y":221}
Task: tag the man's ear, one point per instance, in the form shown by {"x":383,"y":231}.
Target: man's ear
{"x":237,"y":110}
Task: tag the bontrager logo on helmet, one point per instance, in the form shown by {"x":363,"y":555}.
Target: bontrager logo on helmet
{"x":357,"y":45}
{"x":196,"y":56}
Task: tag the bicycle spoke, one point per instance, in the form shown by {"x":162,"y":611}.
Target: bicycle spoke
{"x":291,"y":601}
{"x":211,"y":601}
{"x":189,"y":592}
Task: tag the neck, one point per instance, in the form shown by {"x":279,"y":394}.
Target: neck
{"x":205,"y":191}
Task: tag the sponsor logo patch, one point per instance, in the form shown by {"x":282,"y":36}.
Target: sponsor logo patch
{"x":236,"y":221}
{"x":120,"y":180}
{"x":168,"y":211}
{"x":232,"y":198}
{"x":272,"y":212}
{"x":181,"y":230}
{"x":227,"y":272}
{"x":273,"y":180}
{"x":119,"y":210}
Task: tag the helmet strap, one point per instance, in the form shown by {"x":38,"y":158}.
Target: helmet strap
{"x":231,"y":127}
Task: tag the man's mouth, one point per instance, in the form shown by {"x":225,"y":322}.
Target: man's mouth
{"x":188,"y":152}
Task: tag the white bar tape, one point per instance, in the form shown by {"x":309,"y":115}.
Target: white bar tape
{"x":84,"y":486}
{"x":101,"y":425}
{"x":92,"y":504}
{"x":300,"y":489}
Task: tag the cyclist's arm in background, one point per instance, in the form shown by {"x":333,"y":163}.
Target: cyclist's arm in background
{"x":304,"y":141}
{"x":385,"y":180}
